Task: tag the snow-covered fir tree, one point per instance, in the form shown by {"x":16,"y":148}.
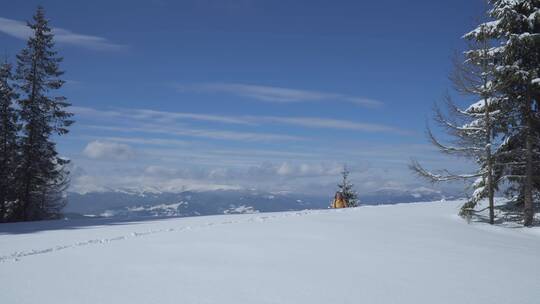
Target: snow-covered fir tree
{"x":347,"y":189}
{"x":9,"y":128}
{"x":516,"y":27}
{"x":473,"y":129}
{"x":41,"y":177}
{"x":505,"y":63}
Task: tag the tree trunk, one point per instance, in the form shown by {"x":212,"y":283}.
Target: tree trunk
{"x":489,"y":133}
{"x":490,"y":188}
{"x":528,"y":209}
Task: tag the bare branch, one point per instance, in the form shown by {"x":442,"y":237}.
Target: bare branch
{"x":436,"y":178}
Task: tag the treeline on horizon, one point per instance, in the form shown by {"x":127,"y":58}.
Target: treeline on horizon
{"x":33,"y":177}
{"x":500,"y":130}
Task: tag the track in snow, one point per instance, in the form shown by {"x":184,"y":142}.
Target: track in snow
{"x":18,"y":255}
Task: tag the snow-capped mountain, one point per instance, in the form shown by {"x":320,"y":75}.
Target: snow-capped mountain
{"x":137,"y":202}
{"x":188,"y":203}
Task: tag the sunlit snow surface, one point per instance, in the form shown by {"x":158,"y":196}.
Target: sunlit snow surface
{"x":409,"y":253}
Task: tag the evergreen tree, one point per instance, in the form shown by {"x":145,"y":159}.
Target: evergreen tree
{"x":41,"y":177}
{"x":8,"y":142}
{"x":478,"y":78}
{"x":474,"y":129}
{"x":347,"y":189}
{"x":516,"y":27}
{"x":507,"y":116}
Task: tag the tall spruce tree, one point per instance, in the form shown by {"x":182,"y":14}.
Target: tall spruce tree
{"x":41,"y":177}
{"x":516,"y":27}
{"x":473,"y":129}
{"x":9,"y":128}
{"x":347,"y":189}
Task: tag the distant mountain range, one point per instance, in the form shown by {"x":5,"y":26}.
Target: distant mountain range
{"x":398,"y":196}
{"x":135,"y":203}
{"x":189,"y":203}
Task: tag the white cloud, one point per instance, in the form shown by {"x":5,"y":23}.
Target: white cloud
{"x":278,"y":94}
{"x":160,"y":116}
{"x":160,"y":122}
{"x":156,"y":119}
{"x":108,"y":151}
{"x":165,"y":150}
{"x":88,"y":183}
{"x":308,"y":170}
{"x":20,"y":30}
{"x":289,"y":170}
{"x":193,"y":132}
{"x":171,"y":116}
{"x":145,"y":180}
{"x":160,"y":171}
{"x":144,"y":141}
{"x":14,"y":28}
{"x":327,"y":123}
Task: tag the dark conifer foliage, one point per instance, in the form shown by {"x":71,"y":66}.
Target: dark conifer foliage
{"x":41,"y":176}
{"x":517,"y":27}
{"x":347,"y":189}
{"x":9,"y":129}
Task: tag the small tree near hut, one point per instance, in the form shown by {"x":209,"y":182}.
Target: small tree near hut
{"x":347,"y":189}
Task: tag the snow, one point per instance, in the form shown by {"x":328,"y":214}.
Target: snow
{"x":409,"y":253}
{"x":479,"y":106}
{"x":240,"y":209}
{"x":487,"y":28}
{"x":160,"y":209}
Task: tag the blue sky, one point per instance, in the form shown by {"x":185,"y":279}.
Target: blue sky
{"x":274,"y":95}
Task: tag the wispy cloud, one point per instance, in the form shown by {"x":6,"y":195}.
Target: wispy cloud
{"x":171,"y":116}
{"x":202,"y":133}
{"x":152,"y":116}
{"x":143,"y":141}
{"x":191,"y":149}
{"x":165,"y":123}
{"x":108,"y":151}
{"x":278,"y":94}
{"x":326,"y":123}
{"x":20,"y":30}
{"x":159,"y":116}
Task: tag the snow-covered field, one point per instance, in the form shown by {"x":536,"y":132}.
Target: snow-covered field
{"x":410,"y":253}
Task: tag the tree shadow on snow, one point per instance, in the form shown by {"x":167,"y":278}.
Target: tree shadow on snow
{"x":77,"y":223}
{"x":508,"y":219}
